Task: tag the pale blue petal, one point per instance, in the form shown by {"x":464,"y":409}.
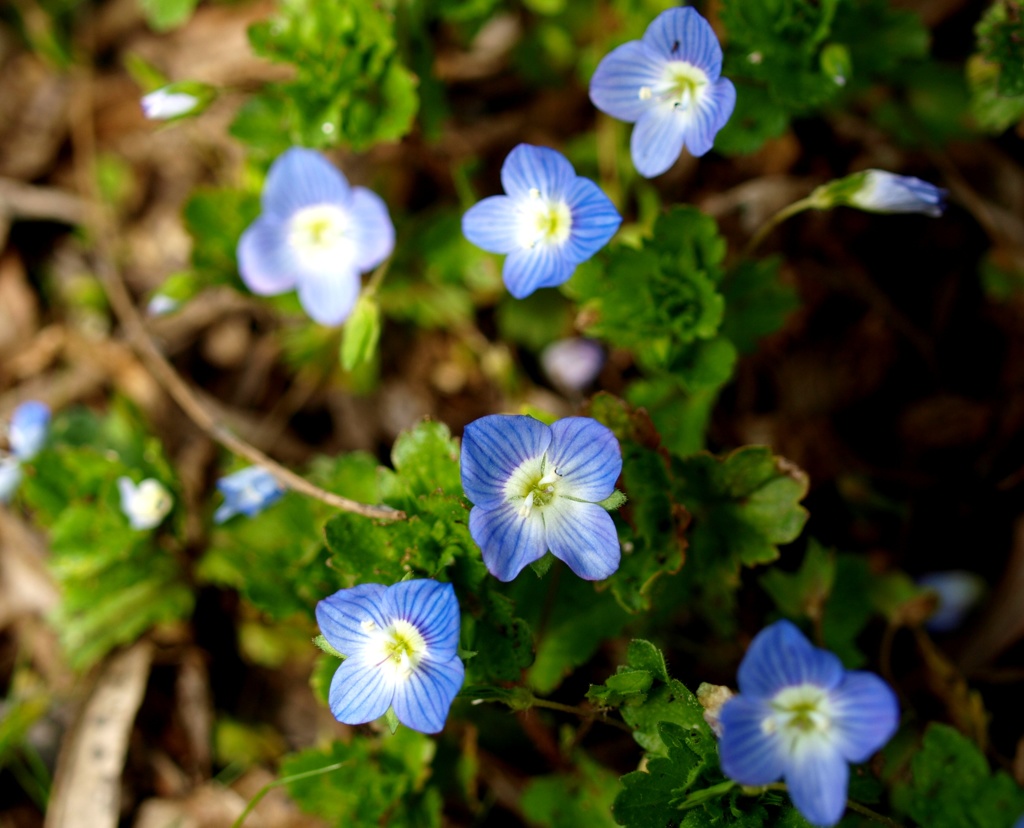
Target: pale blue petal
{"x":225,"y":512}
{"x":780,"y":656}
{"x":301,"y":178}
{"x":702,"y":125}
{"x":30,"y":423}
{"x":657,"y":140}
{"x":536,"y":168}
{"x":493,"y":447}
{"x":682,"y":34}
{"x":886,"y":192}
{"x":432,"y":608}
{"x":587,"y":457}
{"x":248,"y":491}
{"x":10,"y":477}
{"x":342,"y":617}
{"x":865,"y":715}
{"x":422,"y":701}
{"x":529,"y":268}
{"x":594,"y":220}
{"x":329,"y":297}
{"x":817,"y":778}
{"x":360,"y":692}
{"x":583,"y":535}
{"x":265,"y":260}
{"x":616,"y":84}
{"x":749,"y":755}
{"x":507,"y":541}
{"x":492,"y":224}
{"x":371,"y":229}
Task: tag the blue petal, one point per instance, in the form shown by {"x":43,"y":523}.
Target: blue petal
{"x":341,"y":616}
{"x":701,"y":125}
{"x":682,"y":34}
{"x":265,"y":260}
{"x":422,"y":701}
{"x":360,"y":692}
{"x":493,"y":447}
{"x":30,"y":424}
{"x":431,"y":607}
{"x":594,"y":220}
{"x":583,"y":535}
{"x":492,"y":224}
{"x":249,"y":491}
{"x":586,"y":456}
{"x":780,"y":656}
{"x":817,"y":777}
{"x":616,"y":84}
{"x":301,"y":178}
{"x":865,"y":715}
{"x":10,"y":477}
{"x":225,"y":512}
{"x":329,"y":297}
{"x":507,"y":541}
{"x":529,"y":268}
{"x":657,"y":140}
{"x":371,"y":229}
{"x":540,"y":168}
{"x":748,"y":754}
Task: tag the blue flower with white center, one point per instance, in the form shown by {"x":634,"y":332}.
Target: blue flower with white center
{"x":802,"y":717}
{"x":26,"y":435}
{"x":145,"y":504}
{"x":668,"y":84}
{"x":248,"y":492}
{"x":548,"y":221}
{"x":536,"y":487}
{"x":316,"y":235}
{"x":400,"y":645}
{"x":886,"y":192}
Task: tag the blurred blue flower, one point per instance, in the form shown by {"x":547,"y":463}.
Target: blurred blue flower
{"x":145,"y":504}
{"x":802,"y":717}
{"x":537,"y":488}
{"x":10,"y":477}
{"x":958,"y":591}
{"x":400,"y":644}
{"x":164,"y":104}
{"x":316,"y":234}
{"x":26,"y":435}
{"x":886,"y":192}
{"x":572,"y":364}
{"x":248,"y":491}
{"x":549,"y":221}
{"x":668,"y":84}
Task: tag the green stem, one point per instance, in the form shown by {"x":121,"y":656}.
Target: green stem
{"x":856,"y":807}
{"x":809,"y":203}
{"x":582,"y":713}
{"x":278,"y":783}
{"x":377,"y":277}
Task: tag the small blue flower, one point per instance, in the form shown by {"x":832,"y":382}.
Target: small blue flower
{"x":537,"y":488}
{"x":958,"y":592}
{"x":165,"y":104}
{"x":316,"y":234}
{"x":145,"y":504}
{"x":26,"y":435}
{"x":886,"y":192}
{"x":549,"y":221}
{"x":248,"y":492}
{"x":400,"y":644}
{"x":572,"y":364}
{"x":668,"y":84}
{"x":800,"y":716}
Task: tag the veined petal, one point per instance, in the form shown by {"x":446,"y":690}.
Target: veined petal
{"x":682,"y":34}
{"x":348,"y":617}
{"x":301,"y":178}
{"x":619,"y":77}
{"x":422,"y":701}
{"x":265,"y":260}
{"x":748,"y":754}
{"x":780,"y":656}
{"x":527,"y":269}
{"x":583,"y":535}
{"x":701,"y":125}
{"x":594,"y":220}
{"x":360,"y":692}
{"x":373,"y":234}
{"x":431,"y":607}
{"x":492,"y":224}
{"x":657,"y":140}
{"x":536,"y":168}
{"x":817,"y":776}
{"x":329,"y":297}
{"x":507,"y":540}
{"x":493,"y":447}
{"x":865,"y":715}
{"x":587,"y":458}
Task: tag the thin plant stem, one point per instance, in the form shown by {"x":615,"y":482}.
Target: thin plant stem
{"x":856,"y":807}
{"x":808,"y":203}
{"x":582,"y":713}
{"x":277,"y":783}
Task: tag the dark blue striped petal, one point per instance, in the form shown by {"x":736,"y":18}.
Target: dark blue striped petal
{"x":493,"y":447}
{"x":266,"y":262}
{"x":780,"y":656}
{"x":594,"y":220}
{"x":583,"y":535}
{"x":587,"y":457}
{"x":360,"y":692}
{"x":371,"y":229}
{"x":682,"y":34}
{"x":301,"y":178}
{"x":865,"y":715}
{"x":329,"y":297}
{"x":748,"y":754}
{"x":492,"y":224}
{"x":529,"y":268}
{"x":536,"y":168}
{"x":816,"y":777}
{"x":347,"y":617}
{"x":422,"y":701}
{"x":431,"y":607}
{"x":621,"y":74}
{"x":507,"y":540}
{"x":657,"y":140}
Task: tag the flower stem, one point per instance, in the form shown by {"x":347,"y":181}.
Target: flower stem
{"x":278,"y":783}
{"x":856,"y":807}
{"x":378,"y":277}
{"x":808,"y":203}
{"x":582,"y":713}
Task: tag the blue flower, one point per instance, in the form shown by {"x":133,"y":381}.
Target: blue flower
{"x":802,"y":717}
{"x":537,"y":488}
{"x":145,"y":504}
{"x":886,"y":192}
{"x":549,"y":221}
{"x":316,"y":234}
{"x":248,"y":491}
{"x":400,"y":644}
{"x":668,"y":84}
{"x":958,"y":593}
{"x":26,"y":435}
{"x":572,"y":364}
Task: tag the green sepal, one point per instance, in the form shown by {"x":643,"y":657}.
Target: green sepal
{"x":613,"y":501}
{"x":324,"y":645}
{"x":361,"y":333}
{"x":391,"y":720}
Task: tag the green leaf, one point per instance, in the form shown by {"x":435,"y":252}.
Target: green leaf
{"x":1000,"y":35}
{"x":164,"y":15}
{"x":216,"y":219}
{"x":582,"y":798}
{"x":803,"y":593}
{"x":756,"y":302}
{"x":361,"y":333}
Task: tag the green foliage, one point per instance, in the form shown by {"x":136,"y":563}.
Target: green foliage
{"x":361,"y":333}
{"x":583,"y":797}
{"x":757,"y":302}
{"x":1000,"y":35}
{"x":216,"y":219}
{"x":164,"y":15}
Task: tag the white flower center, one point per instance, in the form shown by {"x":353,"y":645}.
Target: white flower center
{"x":800,"y":714}
{"x":543,"y":220}
{"x":397,"y":649}
{"x":682,"y":85}
{"x":534,"y":485}
{"x":319,"y":235}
